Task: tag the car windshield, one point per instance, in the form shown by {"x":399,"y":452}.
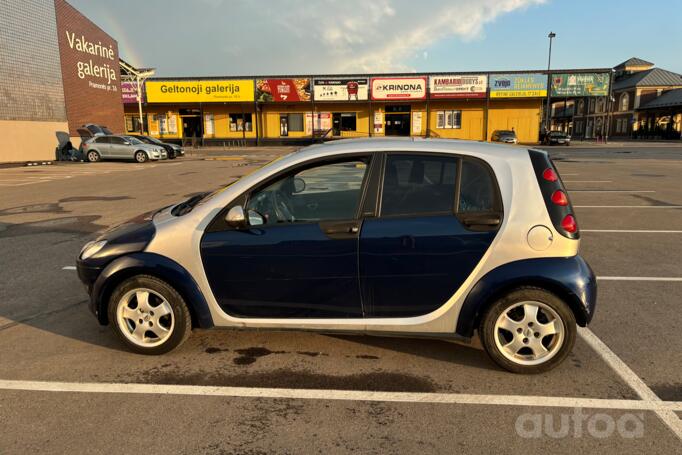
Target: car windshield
{"x":151,"y":140}
{"x":507,"y":133}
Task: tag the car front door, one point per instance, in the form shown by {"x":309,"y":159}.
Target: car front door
{"x":119,"y":148}
{"x":298,"y":255}
{"x":438,"y":215}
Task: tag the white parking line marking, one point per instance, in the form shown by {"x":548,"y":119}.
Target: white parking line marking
{"x":628,"y":206}
{"x":588,"y":181}
{"x":346,"y":395}
{"x":632,"y":231}
{"x":69,"y":267}
{"x":612,"y":191}
{"x":638,"y":278}
{"x":641,"y":389}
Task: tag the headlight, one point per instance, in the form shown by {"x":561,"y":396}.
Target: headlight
{"x":92,"y":248}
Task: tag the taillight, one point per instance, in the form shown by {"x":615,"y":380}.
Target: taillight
{"x":559,"y":198}
{"x":569,"y":224}
{"x":550,"y":175}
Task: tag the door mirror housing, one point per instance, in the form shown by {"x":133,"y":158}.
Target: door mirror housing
{"x":299,"y":185}
{"x":235,"y":217}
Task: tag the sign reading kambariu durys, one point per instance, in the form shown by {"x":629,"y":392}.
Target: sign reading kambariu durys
{"x":399,"y":88}
{"x":458,"y":86}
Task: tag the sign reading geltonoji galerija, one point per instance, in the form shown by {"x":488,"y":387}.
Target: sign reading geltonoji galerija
{"x":398,"y":88}
{"x":458,"y":86}
{"x":199,"y":91}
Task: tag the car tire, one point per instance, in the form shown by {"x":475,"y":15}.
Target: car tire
{"x":514,"y":336}
{"x":93,"y":156}
{"x":141,"y":157}
{"x":149,"y":315}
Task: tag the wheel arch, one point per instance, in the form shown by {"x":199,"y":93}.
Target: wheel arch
{"x":570,"y":279}
{"x":159,"y":267}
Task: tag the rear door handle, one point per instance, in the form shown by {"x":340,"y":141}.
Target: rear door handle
{"x":485,"y":220}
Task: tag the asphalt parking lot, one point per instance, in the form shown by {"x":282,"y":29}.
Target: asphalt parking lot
{"x":68,"y":385}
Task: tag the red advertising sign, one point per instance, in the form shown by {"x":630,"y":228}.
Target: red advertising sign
{"x":398,"y":88}
{"x":282,"y":90}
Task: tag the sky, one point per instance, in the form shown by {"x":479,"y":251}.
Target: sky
{"x":278,"y":37}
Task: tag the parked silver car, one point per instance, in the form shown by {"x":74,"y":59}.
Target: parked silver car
{"x":121,"y":148}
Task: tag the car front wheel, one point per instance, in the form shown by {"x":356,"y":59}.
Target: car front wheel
{"x":529,"y":330}
{"x":149,"y":315}
{"x":141,"y":157}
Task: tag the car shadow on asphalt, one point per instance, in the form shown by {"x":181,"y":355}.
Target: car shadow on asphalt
{"x":434,"y":349}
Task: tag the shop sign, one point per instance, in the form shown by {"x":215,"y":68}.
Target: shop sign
{"x":341,"y":89}
{"x":129,"y":92}
{"x":320,"y":122}
{"x":398,"y":88}
{"x":282,"y":90}
{"x":580,"y":84}
{"x":458,"y":86}
{"x":518,"y":85}
{"x":199,"y":91}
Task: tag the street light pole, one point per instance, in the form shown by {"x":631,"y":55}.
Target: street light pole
{"x":551,"y":36}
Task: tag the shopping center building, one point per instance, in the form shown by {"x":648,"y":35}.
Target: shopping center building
{"x":60,"y":71}
{"x":286,"y":109}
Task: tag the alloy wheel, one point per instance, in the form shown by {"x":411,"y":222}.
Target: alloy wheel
{"x":529,"y":333}
{"x":145,"y":317}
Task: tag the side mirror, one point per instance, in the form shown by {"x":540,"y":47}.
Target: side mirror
{"x":299,"y":185}
{"x":255,"y":218}
{"x":235,"y":217}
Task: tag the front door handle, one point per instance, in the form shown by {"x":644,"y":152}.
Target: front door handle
{"x":340,"y":229}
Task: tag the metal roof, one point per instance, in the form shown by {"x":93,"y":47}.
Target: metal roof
{"x":654,"y":77}
{"x":671,"y":98}
{"x":634,"y":61}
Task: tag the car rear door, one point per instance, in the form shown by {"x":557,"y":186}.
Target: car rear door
{"x":302,"y":262}
{"x":103,"y":146}
{"x":437,"y":216}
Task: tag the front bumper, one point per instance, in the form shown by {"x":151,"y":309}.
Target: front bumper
{"x":88,"y":275}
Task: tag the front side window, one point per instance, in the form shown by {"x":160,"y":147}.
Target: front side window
{"x":418,"y":184}
{"x":326,"y":192}
{"x":477,"y":190}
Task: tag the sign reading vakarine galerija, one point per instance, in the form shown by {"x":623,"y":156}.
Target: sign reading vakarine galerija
{"x":347,"y":89}
{"x":458,"y":86}
{"x":398,"y":88}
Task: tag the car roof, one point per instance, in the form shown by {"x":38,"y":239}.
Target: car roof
{"x":408,"y":144}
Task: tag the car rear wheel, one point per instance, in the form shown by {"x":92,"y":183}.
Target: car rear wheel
{"x":141,"y":157}
{"x":529,"y":330}
{"x":93,"y":156}
{"x":148,"y":315}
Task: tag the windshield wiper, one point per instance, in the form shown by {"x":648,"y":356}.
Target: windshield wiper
{"x":187,"y":206}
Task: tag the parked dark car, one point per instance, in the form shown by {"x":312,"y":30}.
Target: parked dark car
{"x":557,"y":138}
{"x":172,"y":149}
{"x":505,"y":136}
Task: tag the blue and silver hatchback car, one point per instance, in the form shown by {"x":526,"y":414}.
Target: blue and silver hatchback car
{"x":429,"y":238}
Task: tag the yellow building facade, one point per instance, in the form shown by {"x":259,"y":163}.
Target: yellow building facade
{"x":293,"y":110}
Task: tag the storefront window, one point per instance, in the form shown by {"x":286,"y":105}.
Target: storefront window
{"x":449,"y":120}
{"x":133,"y":123}
{"x":241,"y":122}
{"x":295,"y":122}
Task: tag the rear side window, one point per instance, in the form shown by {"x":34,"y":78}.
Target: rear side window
{"x":478,"y":192}
{"x":418,"y":184}
{"x":103,"y":140}
{"x":117,"y":140}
